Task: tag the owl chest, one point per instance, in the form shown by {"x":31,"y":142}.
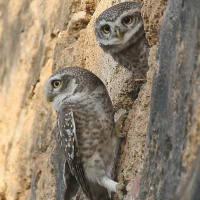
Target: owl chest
{"x":90,"y":123}
{"x":93,"y":129}
{"x":134,"y":57}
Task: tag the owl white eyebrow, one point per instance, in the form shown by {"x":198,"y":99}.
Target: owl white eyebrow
{"x":131,"y":12}
{"x":125,"y":13}
{"x":55,"y":77}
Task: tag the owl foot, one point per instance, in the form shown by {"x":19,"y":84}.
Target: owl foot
{"x":119,"y":126}
{"x":121,"y":187}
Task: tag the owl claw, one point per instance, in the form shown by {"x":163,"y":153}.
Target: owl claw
{"x":119,"y":126}
{"x":121,"y":187}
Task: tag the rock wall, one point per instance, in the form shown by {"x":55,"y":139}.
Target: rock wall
{"x":172,"y":155}
{"x":39,"y":37}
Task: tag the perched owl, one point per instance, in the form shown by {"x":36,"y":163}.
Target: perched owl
{"x":120,"y":32}
{"x":85,"y":127}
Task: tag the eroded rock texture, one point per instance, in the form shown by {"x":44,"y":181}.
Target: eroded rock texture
{"x":170,"y":169}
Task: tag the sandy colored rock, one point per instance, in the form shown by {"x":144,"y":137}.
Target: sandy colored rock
{"x":152,"y":12}
{"x":26,"y":119}
{"x":193,"y":137}
{"x":137,"y":121}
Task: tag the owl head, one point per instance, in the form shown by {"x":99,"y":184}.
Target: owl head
{"x":71,"y":84}
{"x":119,"y":26}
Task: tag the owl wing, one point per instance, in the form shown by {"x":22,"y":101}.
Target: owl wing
{"x":68,"y":139}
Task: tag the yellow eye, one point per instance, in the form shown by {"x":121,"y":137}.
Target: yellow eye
{"x":106,"y":29}
{"x":56,"y":83}
{"x":127,"y":20}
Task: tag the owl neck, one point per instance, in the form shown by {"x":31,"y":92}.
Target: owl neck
{"x":135,"y":57}
{"x":78,"y":97}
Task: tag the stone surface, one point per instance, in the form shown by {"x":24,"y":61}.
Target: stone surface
{"x":26,"y":120}
{"x":190,"y":187}
{"x":173,"y":132}
{"x":132,"y":154}
{"x":152,"y":11}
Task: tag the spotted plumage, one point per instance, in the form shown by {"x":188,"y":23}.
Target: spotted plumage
{"x":120,"y":32}
{"x":85,"y":127}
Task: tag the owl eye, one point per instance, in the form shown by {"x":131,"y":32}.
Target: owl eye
{"x":127,"y":20}
{"x":106,"y":29}
{"x":56,"y":83}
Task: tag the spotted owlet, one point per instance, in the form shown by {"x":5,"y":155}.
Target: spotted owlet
{"x":85,"y":127}
{"x":120,"y":32}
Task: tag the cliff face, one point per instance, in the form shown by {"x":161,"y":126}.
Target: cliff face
{"x":40,"y":37}
{"x":172,"y":155}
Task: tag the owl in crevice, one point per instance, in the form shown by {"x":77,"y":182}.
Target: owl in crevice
{"x":120,"y":32}
{"x":85,"y":128}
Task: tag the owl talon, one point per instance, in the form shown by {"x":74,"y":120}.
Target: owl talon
{"x":119,"y":126}
{"x":121,"y":187}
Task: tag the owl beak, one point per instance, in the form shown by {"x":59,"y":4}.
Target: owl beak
{"x":119,"y":34}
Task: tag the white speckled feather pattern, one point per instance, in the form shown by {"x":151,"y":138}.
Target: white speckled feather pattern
{"x":86,"y":128}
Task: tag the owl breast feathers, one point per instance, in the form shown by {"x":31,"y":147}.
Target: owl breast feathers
{"x":85,"y":127}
